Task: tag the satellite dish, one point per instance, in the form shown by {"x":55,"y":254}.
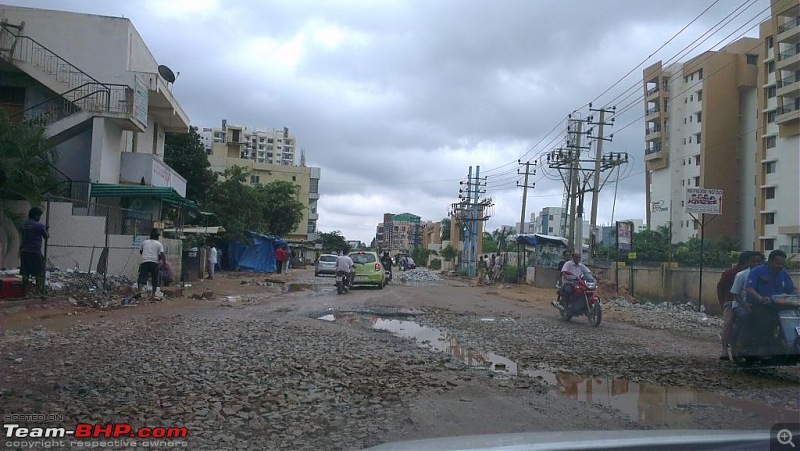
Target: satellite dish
{"x":166,"y":73}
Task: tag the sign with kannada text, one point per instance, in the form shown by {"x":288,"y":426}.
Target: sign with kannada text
{"x":705,"y":201}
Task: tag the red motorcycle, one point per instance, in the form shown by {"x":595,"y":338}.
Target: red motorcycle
{"x":582,"y":301}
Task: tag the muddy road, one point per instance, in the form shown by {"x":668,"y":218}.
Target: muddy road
{"x":285,"y":362}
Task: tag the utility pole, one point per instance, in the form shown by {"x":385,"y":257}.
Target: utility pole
{"x":597,"y":168}
{"x":522,"y":215}
{"x":469,"y":212}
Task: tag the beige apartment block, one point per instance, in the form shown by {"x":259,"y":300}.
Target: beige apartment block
{"x":234,"y":145}
{"x":697,"y":136}
{"x":776,"y":206}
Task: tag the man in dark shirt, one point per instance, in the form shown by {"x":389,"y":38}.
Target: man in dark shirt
{"x":30,"y":250}
{"x":725,"y":299}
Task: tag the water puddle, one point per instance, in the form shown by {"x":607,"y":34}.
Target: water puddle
{"x":295,"y":287}
{"x":676,"y":407}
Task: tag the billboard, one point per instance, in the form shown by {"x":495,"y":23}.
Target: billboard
{"x":705,"y":201}
{"x":624,"y":236}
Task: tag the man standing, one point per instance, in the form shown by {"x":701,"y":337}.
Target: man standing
{"x":30,"y":251}
{"x":212,"y":260}
{"x":481,"y":270}
{"x":497,"y":271}
{"x":725,"y":298}
{"x":152,"y":251}
{"x":280,"y":256}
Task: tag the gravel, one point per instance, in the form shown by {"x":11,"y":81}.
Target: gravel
{"x":418,"y":275}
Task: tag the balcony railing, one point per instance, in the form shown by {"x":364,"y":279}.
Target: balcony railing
{"x":652,"y":110}
{"x":650,"y":150}
{"x":90,"y":97}
{"x":789,"y":53}
{"x":788,"y":108}
{"x":789,"y":80}
{"x":652,"y":90}
{"x":651,"y":130}
{"x":788,"y":25}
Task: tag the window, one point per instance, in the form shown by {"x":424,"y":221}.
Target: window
{"x":691,"y":97}
{"x":690,"y":139}
{"x":794,"y":246}
{"x":696,"y":224}
{"x":699,"y":117}
{"x":683,"y":183}
{"x":697,"y":137}
{"x":697,"y":160}
{"x":771,"y":115}
{"x":551,"y":217}
{"x":769,"y":167}
{"x":699,"y":95}
{"x":685,"y":100}
{"x":769,"y":244}
{"x":254,"y":179}
{"x":697,"y":181}
{"x":700,"y":74}
{"x":752,"y":59}
{"x":551,"y":230}
{"x":313,"y":186}
{"x":684,"y":120}
{"x":770,"y":42}
{"x":691,"y":118}
{"x":771,"y":67}
{"x":294,"y":178}
{"x":684,"y":141}
{"x":768,"y":218}
{"x":770,"y":141}
{"x":771,"y":90}
{"x":682,"y":202}
{"x":769,"y":193}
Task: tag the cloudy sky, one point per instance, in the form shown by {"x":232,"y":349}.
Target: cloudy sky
{"x":395,"y":100}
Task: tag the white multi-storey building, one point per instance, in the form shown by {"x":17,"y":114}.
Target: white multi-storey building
{"x":274,"y":146}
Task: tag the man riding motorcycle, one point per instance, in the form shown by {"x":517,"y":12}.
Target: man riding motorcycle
{"x":344,"y":264}
{"x":570,"y":272}
{"x":386,"y":261}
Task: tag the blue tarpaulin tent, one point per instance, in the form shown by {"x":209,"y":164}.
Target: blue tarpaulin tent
{"x":255,"y":253}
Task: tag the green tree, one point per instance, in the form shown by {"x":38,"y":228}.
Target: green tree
{"x":332,"y":242}
{"x":652,"y":245}
{"x":185,"y":153}
{"x":280,"y":209}
{"x":421,"y":255}
{"x":445,"y":235}
{"x":236,"y":205}
{"x":26,"y":169}
{"x":449,"y":253}
{"x":488,"y":245}
{"x":500,"y":236}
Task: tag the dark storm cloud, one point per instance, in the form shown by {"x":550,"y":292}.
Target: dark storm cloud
{"x":396,"y":99}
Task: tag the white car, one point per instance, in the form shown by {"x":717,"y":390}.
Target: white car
{"x":325,"y":265}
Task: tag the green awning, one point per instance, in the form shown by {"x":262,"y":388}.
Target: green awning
{"x":164,"y":193}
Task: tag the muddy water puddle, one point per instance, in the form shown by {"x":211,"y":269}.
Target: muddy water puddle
{"x":674,"y":407}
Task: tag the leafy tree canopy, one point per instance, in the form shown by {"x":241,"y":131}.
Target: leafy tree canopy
{"x":186,"y":154}
{"x":332,"y":242}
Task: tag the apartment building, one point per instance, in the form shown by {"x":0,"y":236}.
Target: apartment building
{"x":104,"y":101}
{"x":257,"y":151}
{"x":699,"y":118}
{"x":550,"y":221}
{"x":776,"y":212}
{"x":399,"y":232}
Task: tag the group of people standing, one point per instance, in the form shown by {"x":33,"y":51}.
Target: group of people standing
{"x":489,"y":269}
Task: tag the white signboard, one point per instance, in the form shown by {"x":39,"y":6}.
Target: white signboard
{"x":706,"y":201}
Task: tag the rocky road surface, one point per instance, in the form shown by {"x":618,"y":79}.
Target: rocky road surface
{"x":254,"y":367}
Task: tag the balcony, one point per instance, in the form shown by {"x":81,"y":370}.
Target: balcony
{"x":788,"y":112}
{"x":653,"y":153}
{"x":789,"y":59}
{"x":162,"y":105}
{"x":789,"y":86}
{"x":137,"y":166}
{"x":789,"y":32}
{"x":653,"y":133}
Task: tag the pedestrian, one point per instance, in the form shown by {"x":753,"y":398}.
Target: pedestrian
{"x":165,"y":273}
{"x":497,"y":271}
{"x":212,"y":257}
{"x":738,"y":292}
{"x":151,"y":251}
{"x":725,"y":299}
{"x":481,"y":270}
{"x":30,"y":250}
{"x":280,"y":256}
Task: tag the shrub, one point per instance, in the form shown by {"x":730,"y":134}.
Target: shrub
{"x":436,"y":264}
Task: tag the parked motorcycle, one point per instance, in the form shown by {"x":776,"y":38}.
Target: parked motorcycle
{"x":769,"y":334}
{"x":342,"y":282}
{"x":583,"y":301}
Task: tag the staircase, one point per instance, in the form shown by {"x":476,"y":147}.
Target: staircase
{"x":80,"y":97}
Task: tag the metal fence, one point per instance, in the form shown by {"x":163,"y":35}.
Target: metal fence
{"x":95,"y":237}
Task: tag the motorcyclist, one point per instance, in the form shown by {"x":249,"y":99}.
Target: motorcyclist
{"x":570,"y":272}
{"x":386,"y":261}
{"x":344,"y":264}
{"x":763,"y":282}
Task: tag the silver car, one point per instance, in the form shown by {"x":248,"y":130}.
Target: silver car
{"x":326,"y":265}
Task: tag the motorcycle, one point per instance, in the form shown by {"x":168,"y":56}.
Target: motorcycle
{"x":583,"y":301}
{"x":770,"y":334}
{"x":387,"y":276}
{"x":342,"y":282}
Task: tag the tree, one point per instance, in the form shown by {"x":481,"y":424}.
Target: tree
{"x":281,"y":210}
{"x":185,"y":153}
{"x":500,"y":236}
{"x":488,"y":243}
{"x":421,"y":255}
{"x":26,"y":169}
{"x":449,"y":253}
{"x":332,"y":242}
{"x":236,"y":205}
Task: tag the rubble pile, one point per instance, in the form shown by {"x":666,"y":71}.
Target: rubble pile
{"x":417,"y":275}
{"x":665,"y":315}
{"x":90,"y":289}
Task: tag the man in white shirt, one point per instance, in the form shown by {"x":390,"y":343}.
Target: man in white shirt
{"x":212,"y":260}
{"x":152,"y":251}
{"x":738,"y":291}
{"x":570,"y":272}
{"x":344,"y":264}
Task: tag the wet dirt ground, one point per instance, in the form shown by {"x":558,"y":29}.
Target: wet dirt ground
{"x":282,"y":361}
